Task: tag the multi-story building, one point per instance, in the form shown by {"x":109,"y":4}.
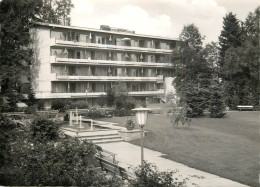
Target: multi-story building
{"x":82,"y":63}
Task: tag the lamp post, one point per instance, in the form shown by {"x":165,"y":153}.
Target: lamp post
{"x":141,"y":118}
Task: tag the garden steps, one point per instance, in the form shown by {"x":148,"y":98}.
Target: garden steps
{"x":108,"y":141}
{"x":96,"y":137}
{"x":100,"y":137}
{"x":98,"y":133}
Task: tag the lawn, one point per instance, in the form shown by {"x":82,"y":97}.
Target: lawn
{"x":228,"y":147}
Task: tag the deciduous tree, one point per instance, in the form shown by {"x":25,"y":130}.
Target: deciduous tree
{"x":192,"y":71}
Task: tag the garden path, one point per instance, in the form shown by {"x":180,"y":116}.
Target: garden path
{"x":129,"y":155}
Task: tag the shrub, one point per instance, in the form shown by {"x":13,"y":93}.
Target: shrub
{"x":148,"y":175}
{"x":95,"y":113}
{"x":179,"y":114}
{"x":68,"y":162}
{"x":40,"y":105}
{"x":31,"y":109}
{"x":66,"y":117}
{"x":102,"y":101}
{"x":79,"y":105}
{"x":60,"y":105}
{"x":110,"y":97}
{"x":43,"y":129}
{"x":170,"y":97}
{"x":256,"y":108}
{"x":123,"y":112}
{"x":7,"y":128}
{"x":31,"y":101}
{"x":124,"y":105}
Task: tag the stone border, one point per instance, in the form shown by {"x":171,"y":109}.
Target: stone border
{"x":129,"y":135}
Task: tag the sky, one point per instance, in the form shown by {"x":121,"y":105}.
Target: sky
{"x":160,"y":17}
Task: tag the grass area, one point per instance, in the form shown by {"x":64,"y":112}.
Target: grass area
{"x":228,"y":147}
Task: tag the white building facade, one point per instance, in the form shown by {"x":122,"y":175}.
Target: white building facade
{"x":81,"y":63}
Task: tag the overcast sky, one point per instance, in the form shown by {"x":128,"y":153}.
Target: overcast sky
{"x":160,"y":17}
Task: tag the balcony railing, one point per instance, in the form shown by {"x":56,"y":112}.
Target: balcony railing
{"x":40,"y":95}
{"x":53,"y":59}
{"x":55,"y":42}
{"x":105,"y":78}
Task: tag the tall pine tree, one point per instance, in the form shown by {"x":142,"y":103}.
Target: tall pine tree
{"x":230,"y":35}
{"x":229,"y":41}
{"x":249,"y":59}
{"x":239,"y":62}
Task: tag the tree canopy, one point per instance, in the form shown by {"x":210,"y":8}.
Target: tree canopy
{"x":192,"y":71}
{"x":239,"y":62}
{"x":16,"y":19}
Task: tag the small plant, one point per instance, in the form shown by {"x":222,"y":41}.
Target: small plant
{"x":130,"y":124}
{"x":179,"y":114}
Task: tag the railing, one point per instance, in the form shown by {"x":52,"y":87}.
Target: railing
{"x":55,"y":42}
{"x":95,"y":94}
{"x":53,"y":59}
{"x":106,"y":78}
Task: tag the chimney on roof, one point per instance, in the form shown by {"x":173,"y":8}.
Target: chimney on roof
{"x":105,"y":27}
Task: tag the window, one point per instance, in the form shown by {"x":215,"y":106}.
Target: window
{"x":157,"y":45}
{"x":77,"y":37}
{"x":57,"y":52}
{"x":78,"y":54}
{"x":103,"y":40}
{"x":119,"y":71}
{"x":57,"y":35}
{"x":127,"y":42}
{"x":59,"y":87}
{"x":141,"y":43}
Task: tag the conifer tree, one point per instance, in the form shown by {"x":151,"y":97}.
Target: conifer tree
{"x":239,"y":62}
{"x":230,"y":35}
{"x":216,"y":101}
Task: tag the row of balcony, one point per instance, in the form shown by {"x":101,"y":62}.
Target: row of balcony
{"x":55,"y":77}
{"x":89,"y":61}
{"x":115,"y":40}
{"x":75,"y":44}
{"x":110,"y":71}
{"x":46,"y":95}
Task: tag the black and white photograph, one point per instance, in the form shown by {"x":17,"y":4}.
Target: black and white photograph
{"x":130,"y":93}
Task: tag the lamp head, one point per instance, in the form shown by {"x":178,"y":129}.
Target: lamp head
{"x":141,"y":115}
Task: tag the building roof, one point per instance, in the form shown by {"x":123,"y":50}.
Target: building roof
{"x":104,"y":31}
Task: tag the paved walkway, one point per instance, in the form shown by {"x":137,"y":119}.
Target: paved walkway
{"x":129,"y":155}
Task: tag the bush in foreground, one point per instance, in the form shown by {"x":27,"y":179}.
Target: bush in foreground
{"x":148,"y":175}
{"x":42,"y":129}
